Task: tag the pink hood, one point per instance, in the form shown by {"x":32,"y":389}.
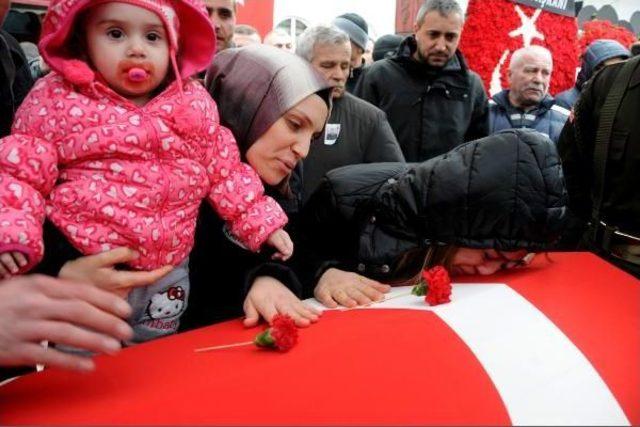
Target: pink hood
{"x":195,"y":44}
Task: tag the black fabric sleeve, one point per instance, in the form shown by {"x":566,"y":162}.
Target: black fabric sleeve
{"x":322,"y":238}
{"x":280,"y":272}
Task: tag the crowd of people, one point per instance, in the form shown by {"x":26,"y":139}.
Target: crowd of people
{"x":164,"y":168}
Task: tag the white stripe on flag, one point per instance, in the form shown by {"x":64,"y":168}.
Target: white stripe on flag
{"x":542,"y":377}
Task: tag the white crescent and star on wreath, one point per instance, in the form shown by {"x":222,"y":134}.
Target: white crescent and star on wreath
{"x":528,"y":31}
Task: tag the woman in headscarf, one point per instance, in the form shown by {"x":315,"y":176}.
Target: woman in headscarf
{"x":274,"y":103}
{"x":498,"y":198}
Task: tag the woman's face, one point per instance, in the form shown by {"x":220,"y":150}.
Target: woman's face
{"x":275,"y":154}
{"x":483,"y":261}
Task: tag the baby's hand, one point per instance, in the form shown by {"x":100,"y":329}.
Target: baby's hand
{"x":10,"y":263}
{"x":281,"y":241}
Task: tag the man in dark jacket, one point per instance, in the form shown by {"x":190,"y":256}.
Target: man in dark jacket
{"x":15,"y":76}
{"x":356,"y":132}
{"x":504,"y":192}
{"x":599,"y":54}
{"x":432,"y":99}
{"x":527,"y":103}
{"x":601,"y":158}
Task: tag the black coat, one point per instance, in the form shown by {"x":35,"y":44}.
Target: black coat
{"x":505,"y":192}
{"x":621,"y":198}
{"x":365,"y":137}
{"x":430,"y":110}
{"x":15,"y":80}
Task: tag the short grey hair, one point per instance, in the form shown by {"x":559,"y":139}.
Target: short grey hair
{"x":245,"y":29}
{"x":319,"y":34}
{"x":443,"y":7}
{"x":533,"y":49}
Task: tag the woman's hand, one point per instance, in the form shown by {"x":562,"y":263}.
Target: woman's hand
{"x":268,"y":297}
{"x":348,"y":289}
{"x":485,"y":261}
{"x":99,"y":270}
{"x":36,"y":308}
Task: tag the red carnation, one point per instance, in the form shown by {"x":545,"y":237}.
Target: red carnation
{"x":439,"y":284}
{"x":435,"y":285}
{"x":282,"y":335}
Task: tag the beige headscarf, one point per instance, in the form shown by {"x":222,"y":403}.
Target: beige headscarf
{"x":255,"y":85}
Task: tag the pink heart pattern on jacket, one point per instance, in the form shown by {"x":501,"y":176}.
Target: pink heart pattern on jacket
{"x":108,"y":173}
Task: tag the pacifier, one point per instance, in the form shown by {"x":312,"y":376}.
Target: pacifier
{"x":137,"y":74}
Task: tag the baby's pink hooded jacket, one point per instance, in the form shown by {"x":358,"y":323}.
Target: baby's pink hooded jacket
{"x":108,"y":173}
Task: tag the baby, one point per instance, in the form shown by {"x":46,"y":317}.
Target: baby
{"x":118,"y":146}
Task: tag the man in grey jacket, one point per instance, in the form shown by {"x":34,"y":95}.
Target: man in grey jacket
{"x":357,"y":132}
{"x":434,"y":102}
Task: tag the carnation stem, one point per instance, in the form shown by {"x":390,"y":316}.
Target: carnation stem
{"x":218,"y":347}
{"x":381,"y":301}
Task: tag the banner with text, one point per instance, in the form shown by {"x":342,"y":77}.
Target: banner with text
{"x":561,"y":7}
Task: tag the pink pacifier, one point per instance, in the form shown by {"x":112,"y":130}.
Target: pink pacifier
{"x":137,"y":74}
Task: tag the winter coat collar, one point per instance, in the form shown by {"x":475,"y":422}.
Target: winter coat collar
{"x":502,"y":99}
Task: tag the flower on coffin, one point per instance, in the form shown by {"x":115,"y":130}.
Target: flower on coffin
{"x":434,"y":285}
{"x":282,"y":335}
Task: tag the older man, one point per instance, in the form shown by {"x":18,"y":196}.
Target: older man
{"x":357,"y":132}
{"x":223,"y":17}
{"x":433,"y":101}
{"x":244,"y":35}
{"x":279,"y":38}
{"x":527,"y":103}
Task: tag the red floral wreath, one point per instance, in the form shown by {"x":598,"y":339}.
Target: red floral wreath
{"x":486,"y":37}
{"x":598,"y":29}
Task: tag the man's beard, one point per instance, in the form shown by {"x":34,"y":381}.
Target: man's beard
{"x":425,"y":60}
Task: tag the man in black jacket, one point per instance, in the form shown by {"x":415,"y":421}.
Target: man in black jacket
{"x":600,"y":151}
{"x":357,"y":132}
{"x":15,"y":76}
{"x":432,"y":99}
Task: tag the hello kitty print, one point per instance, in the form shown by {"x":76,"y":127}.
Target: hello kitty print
{"x":108,"y":173}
